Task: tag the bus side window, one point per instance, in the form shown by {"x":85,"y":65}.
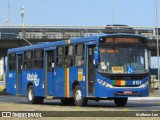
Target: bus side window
{"x":79,"y":56}
{"x":12,"y":61}
{"x":60,"y":51}
{"x":38,"y":59}
{"x":60,"y":56}
{"x":69,"y":59}
{"x":28,"y":62}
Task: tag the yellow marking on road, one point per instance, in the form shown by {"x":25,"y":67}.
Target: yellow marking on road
{"x":125,"y":109}
{"x":78,"y":106}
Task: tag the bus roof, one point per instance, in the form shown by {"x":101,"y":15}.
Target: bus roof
{"x":63,"y":42}
{"x":52,"y":44}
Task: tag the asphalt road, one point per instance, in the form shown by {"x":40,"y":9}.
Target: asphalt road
{"x":9,"y":102}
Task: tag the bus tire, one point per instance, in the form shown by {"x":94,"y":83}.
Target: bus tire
{"x":78,"y":99}
{"x":120,"y":102}
{"x":31,"y":98}
{"x":39,"y":100}
{"x":67,"y":101}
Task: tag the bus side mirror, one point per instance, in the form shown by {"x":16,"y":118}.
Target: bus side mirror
{"x":96,"y":57}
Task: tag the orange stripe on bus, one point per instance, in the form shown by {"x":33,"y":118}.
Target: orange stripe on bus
{"x":67,"y":82}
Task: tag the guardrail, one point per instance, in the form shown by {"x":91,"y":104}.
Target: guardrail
{"x":67,"y":32}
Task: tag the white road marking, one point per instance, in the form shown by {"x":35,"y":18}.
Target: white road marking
{"x":144,"y":98}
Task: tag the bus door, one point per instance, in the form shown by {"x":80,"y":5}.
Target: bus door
{"x":49,"y":72}
{"x":90,"y":70}
{"x":19,"y":58}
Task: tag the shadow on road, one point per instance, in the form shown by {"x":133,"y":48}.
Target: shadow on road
{"x":91,"y":104}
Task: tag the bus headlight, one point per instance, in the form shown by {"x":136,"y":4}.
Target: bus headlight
{"x":109,"y":86}
{"x":103,"y":83}
{"x":143,"y":85}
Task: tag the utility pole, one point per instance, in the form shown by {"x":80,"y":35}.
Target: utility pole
{"x":22,"y":14}
{"x":113,"y":11}
{"x":156,"y":27}
{"x":9,"y":12}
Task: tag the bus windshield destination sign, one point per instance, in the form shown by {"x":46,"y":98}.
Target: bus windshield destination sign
{"x":109,"y":51}
{"x":120,"y":40}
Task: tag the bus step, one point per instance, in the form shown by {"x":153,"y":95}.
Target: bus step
{"x":49,"y":97}
{"x":18,"y":94}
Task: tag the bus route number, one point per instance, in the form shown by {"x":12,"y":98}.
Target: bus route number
{"x":136,"y":82}
{"x":117,"y":69}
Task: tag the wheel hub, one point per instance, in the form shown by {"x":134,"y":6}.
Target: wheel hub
{"x":30,"y":95}
{"x":78,"y":95}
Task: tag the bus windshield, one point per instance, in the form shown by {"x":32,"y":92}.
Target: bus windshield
{"x":130,"y":60}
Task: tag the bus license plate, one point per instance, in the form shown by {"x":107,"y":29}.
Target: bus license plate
{"x":127,"y":92}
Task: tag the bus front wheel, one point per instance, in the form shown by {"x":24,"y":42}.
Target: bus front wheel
{"x":33,"y":99}
{"x":120,"y":102}
{"x":78,"y":98}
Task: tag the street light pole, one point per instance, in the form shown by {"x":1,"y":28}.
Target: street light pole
{"x":22,"y":14}
{"x":113,"y":11}
{"x":19,"y":36}
{"x":8,"y":12}
{"x":156,"y":20}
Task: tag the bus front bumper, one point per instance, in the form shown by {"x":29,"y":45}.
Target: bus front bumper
{"x":104,"y":91}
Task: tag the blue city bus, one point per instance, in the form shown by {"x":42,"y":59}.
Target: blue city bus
{"x":102,"y":67}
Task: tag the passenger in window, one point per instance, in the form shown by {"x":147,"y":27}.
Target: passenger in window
{"x":72,"y":63}
{"x":60,"y":62}
{"x":82,"y":62}
{"x":25,"y":66}
{"x":35,"y":64}
{"x":60,"y":51}
{"x":66,"y":62}
{"x":10,"y":67}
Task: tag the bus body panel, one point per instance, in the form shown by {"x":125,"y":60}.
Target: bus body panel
{"x":20,"y":85}
{"x":77,"y":74}
{"x":36,"y":78}
{"x":11,"y":82}
{"x":128,"y":81}
{"x":109,"y":92}
{"x":50,"y":83}
{"x":59,"y":82}
{"x":103,"y":91}
{"x":64,"y":79}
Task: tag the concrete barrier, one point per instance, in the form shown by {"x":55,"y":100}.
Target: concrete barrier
{"x":2,"y":85}
{"x":154,"y":83}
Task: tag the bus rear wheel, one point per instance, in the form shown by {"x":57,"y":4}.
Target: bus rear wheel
{"x":33,"y":99}
{"x":78,"y":98}
{"x":120,"y":102}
